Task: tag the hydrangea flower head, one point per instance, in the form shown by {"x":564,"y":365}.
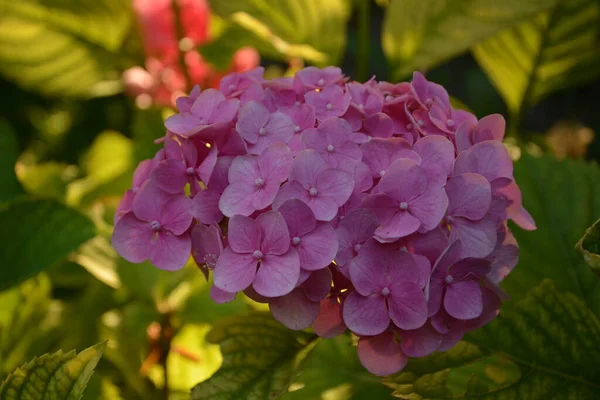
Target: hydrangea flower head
{"x":376,"y":209}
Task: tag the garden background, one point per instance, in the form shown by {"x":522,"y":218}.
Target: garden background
{"x":83,"y":94}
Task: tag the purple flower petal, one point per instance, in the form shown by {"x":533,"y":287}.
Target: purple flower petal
{"x":234,"y":272}
{"x":463,"y":300}
{"x":470,"y":196}
{"x":238,"y":198}
{"x":277,"y":275}
{"x":132,"y":238}
{"x":437,"y":158}
{"x":404,"y":180}
{"x":298,"y":216}
{"x":274,"y":233}
{"x":381,"y":355}
{"x":430,"y":207}
{"x":317,"y":248}
{"x":489,"y":158}
{"x":408,"y":307}
{"x":205,"y":207}
{"x":244,"y":234}
{"x":149,"y":202}
{"x":220,"y":296}
{"x":478,"y":237}
{"x":400,"y":225}
{"x":252,"y":118}
{"x":318,"y":284}
{"x":420,"y":342}
{"x":170,"y":252}
{"x":175,"y":215}
{"x":294,"y":310}
{"x":329,"y":323}
{"x":366,"y":315}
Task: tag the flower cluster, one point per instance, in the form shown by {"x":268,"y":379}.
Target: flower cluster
{"x":163,"y":80}
{"x":375,"y":207}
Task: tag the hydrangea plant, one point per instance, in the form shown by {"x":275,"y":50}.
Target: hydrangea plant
{"x":376,"y":208}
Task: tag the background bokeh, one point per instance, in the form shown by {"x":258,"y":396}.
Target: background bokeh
{"x":86,"y":84}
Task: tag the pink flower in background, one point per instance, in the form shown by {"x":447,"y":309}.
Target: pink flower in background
{"x":162,"y":80}
{"x":376,"y":208}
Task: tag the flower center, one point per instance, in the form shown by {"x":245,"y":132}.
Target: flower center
{"x":404,"y":206}
{"x":262,"y":131}
{"x":312,"y":191}
{"x":403,"y":248}
{"x":357,"y":247}
{"x":408,"y":127}
{"x":449,"y":219}
{"x":382,"y":173}
{"x":385,"y":291}
{"x":329,"y":106}
{"x":449,"y":279}
{"x":258,"y":254}
{"x":231,"y":87}
{"x":321,"y":82}
{"x":421,"y":123}
{"x":155,"y":225}
{"x":450,"y":123}
{"x":295,"y":240}
{"x":389,"y":98}
{"x":259,"y":182}
{"x":296,"y":129}
{"x":361,"y":107}
{"x":330,"y":148}
{"x":428,"y":102}
{"x":190,"y":171}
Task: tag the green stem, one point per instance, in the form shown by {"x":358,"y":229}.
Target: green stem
{"x":364,"y":37}
{"x":180,"y":33}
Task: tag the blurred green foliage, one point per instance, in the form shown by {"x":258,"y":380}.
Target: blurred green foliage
{"x":70,"y":140}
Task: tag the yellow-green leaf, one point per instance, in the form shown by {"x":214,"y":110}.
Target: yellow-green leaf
{"x":61,"y":47}
{"x":419,"y":34}
{"x":589,"y":246}
{"x":53,"y":376}
{"x":557,"y":48}
{"x":260,"y":358}
{"x":9,"y":185}
{"x":314,"y":30}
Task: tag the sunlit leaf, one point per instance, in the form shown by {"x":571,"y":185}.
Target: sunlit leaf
{"x":37,"y":233}
{"x":311,"y":29}
{"x":557,"y":48}
{"x":421,"y":34}
{"x":260,"y":358}
{"x":25,"y":325}
{"x":9,"y":185}
{"x":552,"y":337}
{"x":49,"y":179}
{"x":333,"y":368}
{"x":563,"y":198}
{"x":53,"y":376}
{"x":62,"y":47}
{"x":147,"y":126}
{"x":589,"y":246}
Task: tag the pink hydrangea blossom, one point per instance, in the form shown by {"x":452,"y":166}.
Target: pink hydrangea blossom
{"x":372,"y":208}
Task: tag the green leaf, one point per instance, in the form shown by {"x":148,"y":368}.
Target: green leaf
{"x":421,"y":34}
{"x":589,"y":246}
{"x":555,"y":340}
{"x":260,"y":358}
{"x":61,"y":47}
{"x":333,"y":367}
{"x":147,"y":126}
{"x":311,"y":29}
{"x":557,"y":48}
{"x":551,"y":337}
{"x":56,"y":376}
{"x":563,"y":198}
{"x":37,"y":233}
{"x":9,"y":185}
